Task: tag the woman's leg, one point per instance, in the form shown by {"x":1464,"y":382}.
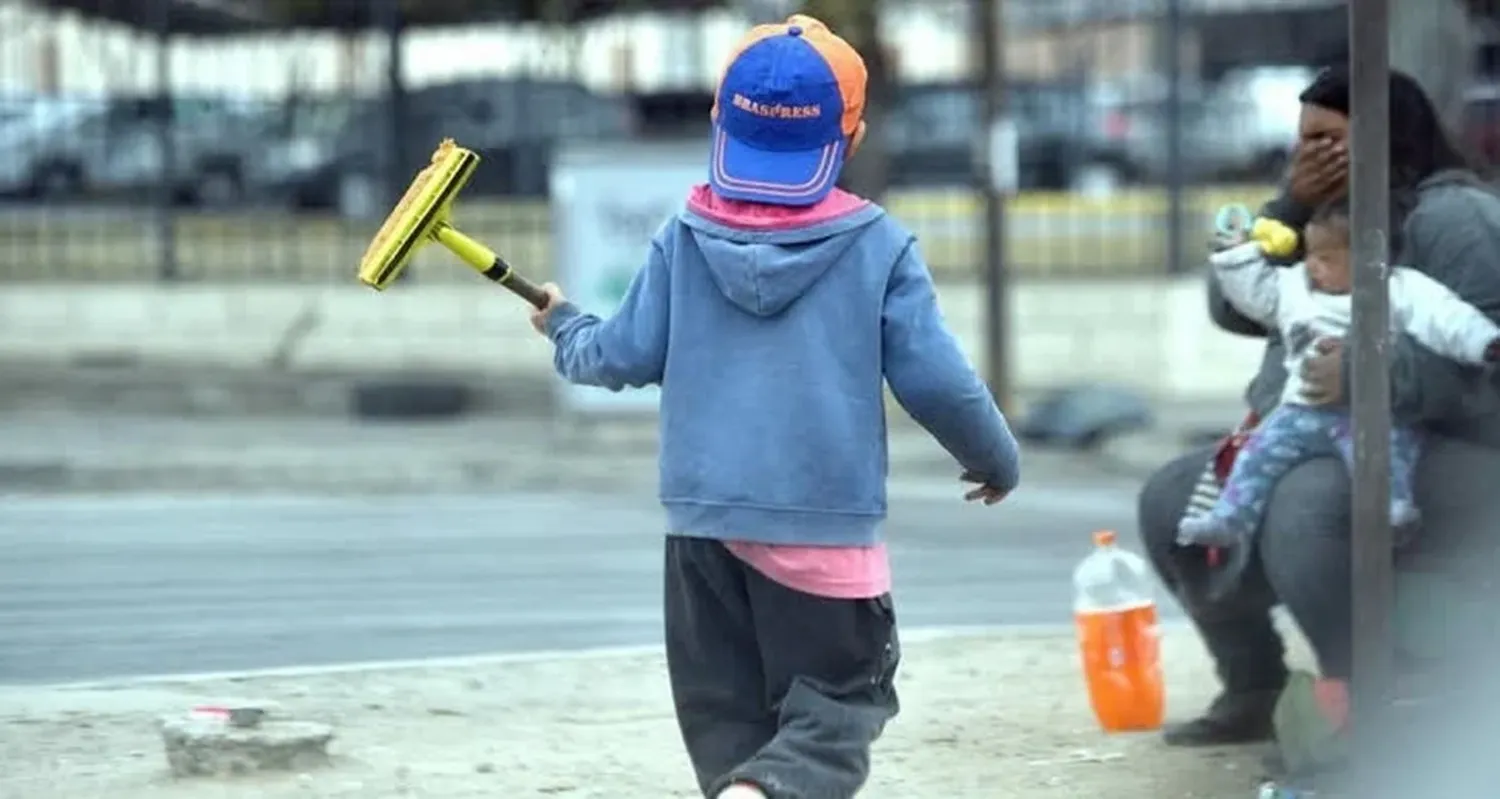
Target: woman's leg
{"x":1456,"y":488}
{"x":1458,"y":550}
{"x":1305,"y":542}
{"x":1236,"y":627}
{"x":1444,"y":746}
{"x":1448,"y":571}
{"x":1304,"y":549}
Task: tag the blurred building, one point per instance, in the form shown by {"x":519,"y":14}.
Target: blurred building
{"x":46,"y":50}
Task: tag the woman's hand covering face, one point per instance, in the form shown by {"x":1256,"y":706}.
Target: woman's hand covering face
{"x":1320,"y":171}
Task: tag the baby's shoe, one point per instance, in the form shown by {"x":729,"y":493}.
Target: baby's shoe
{"x":1406,"y":518}
{"x":1207,"y":530}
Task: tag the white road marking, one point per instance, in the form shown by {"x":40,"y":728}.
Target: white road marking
{"x":915,"y":635}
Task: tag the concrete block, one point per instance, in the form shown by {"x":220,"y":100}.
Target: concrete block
{"x":210,"y":747}
{"x":1153,"y":336}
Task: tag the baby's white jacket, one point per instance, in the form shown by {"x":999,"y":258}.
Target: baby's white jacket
{"x":1284,"y":298}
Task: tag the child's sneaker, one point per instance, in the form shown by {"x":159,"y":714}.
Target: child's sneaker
{"x":742,"y":790}
{"x":1207,"y":530}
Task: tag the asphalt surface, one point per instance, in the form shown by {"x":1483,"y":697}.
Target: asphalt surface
{"x":111,"y":586}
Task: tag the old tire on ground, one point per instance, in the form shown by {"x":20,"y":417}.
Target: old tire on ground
{"x":411,"y":399}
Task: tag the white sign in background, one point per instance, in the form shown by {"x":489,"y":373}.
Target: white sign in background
{"x":608,"y":201}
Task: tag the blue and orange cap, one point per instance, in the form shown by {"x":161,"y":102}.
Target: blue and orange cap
{"x":788,"y":105}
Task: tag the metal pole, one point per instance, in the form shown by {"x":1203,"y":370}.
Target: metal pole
{"x":164,"y":213}
{"x":395,"y":168}
{"x":1437,"y":43}
{"x":999,"y":177}
{"x":1176,"y":176}
{"x":1372,"y":582}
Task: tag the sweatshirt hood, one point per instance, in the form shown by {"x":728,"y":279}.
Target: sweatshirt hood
{"x":762,"y":258}
{"x":1454,"y":179}
{"x":1450,"y":177}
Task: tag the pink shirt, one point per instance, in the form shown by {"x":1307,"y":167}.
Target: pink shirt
{"x":833,"y":572}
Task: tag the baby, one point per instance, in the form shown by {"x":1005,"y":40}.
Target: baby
{"x":1307,"y":303}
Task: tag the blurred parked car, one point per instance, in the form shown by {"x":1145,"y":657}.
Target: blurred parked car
{"x":334,"y":157}
{"x":933,"y":129}
{"x":32,"y":163}
{"x":1242,"y":126}
{"x":69,"y":148}
{"x":1247,"y":125}
{"x":15,"y":106}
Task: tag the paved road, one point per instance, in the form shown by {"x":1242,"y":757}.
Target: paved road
{"x":99,"y":587}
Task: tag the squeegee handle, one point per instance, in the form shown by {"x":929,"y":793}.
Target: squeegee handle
{"x":501,"y":273}
{"x":483,"y":260}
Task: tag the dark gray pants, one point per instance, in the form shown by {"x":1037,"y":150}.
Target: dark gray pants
{"x":1302,"y":554}
{"x":774,"y":687}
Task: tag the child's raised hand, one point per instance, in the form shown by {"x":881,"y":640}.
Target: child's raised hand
{"x":1232,"y":226}
{"x":554,"y":298}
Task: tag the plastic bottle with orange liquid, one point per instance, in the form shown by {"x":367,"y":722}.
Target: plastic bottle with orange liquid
{"x":1115,"y":610}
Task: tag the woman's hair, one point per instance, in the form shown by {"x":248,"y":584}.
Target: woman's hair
{"x":1419,"y":145}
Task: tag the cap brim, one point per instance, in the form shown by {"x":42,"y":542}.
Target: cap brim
{"x":741,"y":172}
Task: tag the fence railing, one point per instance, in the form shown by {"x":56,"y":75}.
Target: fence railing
{"x":286,"y":177}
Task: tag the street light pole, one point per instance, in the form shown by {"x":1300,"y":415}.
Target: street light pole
{"x":394,"y":176}
{"x":168,"y":266}
{"x":1372,"y":578}
{"x":997,"y":155}
{"x":1176,"y":173}
{"x":765,"y":12}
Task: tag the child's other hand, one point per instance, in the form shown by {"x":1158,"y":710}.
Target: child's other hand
{"x":985,"y":492}
{"x":539,"y":316}
{"x":1323,"y":372}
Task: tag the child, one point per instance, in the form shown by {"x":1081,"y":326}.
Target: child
{"x":769,"y":311}
{"x":1307,"y":303}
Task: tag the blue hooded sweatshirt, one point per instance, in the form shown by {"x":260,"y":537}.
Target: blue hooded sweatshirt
{"x":771,"y":348}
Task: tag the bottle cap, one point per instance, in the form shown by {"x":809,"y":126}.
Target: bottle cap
{"x":1104,"y":538}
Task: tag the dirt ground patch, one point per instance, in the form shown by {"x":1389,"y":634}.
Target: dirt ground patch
{"x":988,"y":716}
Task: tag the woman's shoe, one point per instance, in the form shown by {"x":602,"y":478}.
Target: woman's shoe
{"x":1239,"y":718}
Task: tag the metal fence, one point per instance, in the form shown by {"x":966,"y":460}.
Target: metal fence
{"x":161,"y":153}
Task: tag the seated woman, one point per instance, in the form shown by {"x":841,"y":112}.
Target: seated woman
{"x":1449,"y":225}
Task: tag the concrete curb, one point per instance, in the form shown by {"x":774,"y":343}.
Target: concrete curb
{"x":118,"y":429}
{"x":201,"y":390}
{"x":305,"y":456}
{"x":329,"y":476}
{"x":325,"y":477}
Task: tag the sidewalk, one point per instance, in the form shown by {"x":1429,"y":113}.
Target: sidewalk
{"x":46,"y":451}
{"x":1000,"y":715}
